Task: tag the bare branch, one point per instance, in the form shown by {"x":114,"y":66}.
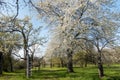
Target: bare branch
{"x":17,"y":11}
{"x":18,"y":56}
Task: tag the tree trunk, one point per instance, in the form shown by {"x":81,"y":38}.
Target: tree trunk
{"x":44,"y":64}
{"x":100,"y":65}
{"x":70,"y":63}
{"x":39,"y":65}
{"x":1,"y":63}
{"x":51,"y":64}
{"x":27,"y":65}
{"x":32,"y":59}
{"x":26,"y":55}
{"x":85,"y":63}
{"x":11,"y":65}
{"x":10,"y":60}
{"x":100,"y":70}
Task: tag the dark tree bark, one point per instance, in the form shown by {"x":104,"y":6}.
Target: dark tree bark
{"x":39,"y":65}
{"x":1,"y":62}
{"x":100,"y":69}
{"x":70,"y":62}
{"x":86,"y":60}
{"x":11,"y":65}
{"x":100,"y":65}
{"x":6,"y":64}
{"x":85,"y":63}
{"x":10,"y":60}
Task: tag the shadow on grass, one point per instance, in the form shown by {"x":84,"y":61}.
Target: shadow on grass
{"x":88,"y":73}
{"x":112,"y":78}
{"x":49,"y":74}
{"x":56,"y":74}
{"x":115,"y":78}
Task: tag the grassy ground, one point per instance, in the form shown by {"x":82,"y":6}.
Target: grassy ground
{"x":88,"y":73}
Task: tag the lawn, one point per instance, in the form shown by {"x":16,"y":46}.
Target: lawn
{"x":87,"y":73}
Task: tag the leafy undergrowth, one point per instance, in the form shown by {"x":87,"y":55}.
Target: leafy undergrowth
{"x":88,"y":73}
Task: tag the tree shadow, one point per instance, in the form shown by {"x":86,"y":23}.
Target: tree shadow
{"x":47,"y":74}
{"x":113,"y":78}
{"x":56,"y":74}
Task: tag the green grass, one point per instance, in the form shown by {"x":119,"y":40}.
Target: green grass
{"x":88,"y":73}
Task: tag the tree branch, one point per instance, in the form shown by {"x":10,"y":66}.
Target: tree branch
{"x":17,"y":8}
{"x":18,"y":56}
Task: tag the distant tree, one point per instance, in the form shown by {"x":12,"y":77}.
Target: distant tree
{"x":84,"y":54}
{"x":38,"y":62}
{"x":60,"y":54}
